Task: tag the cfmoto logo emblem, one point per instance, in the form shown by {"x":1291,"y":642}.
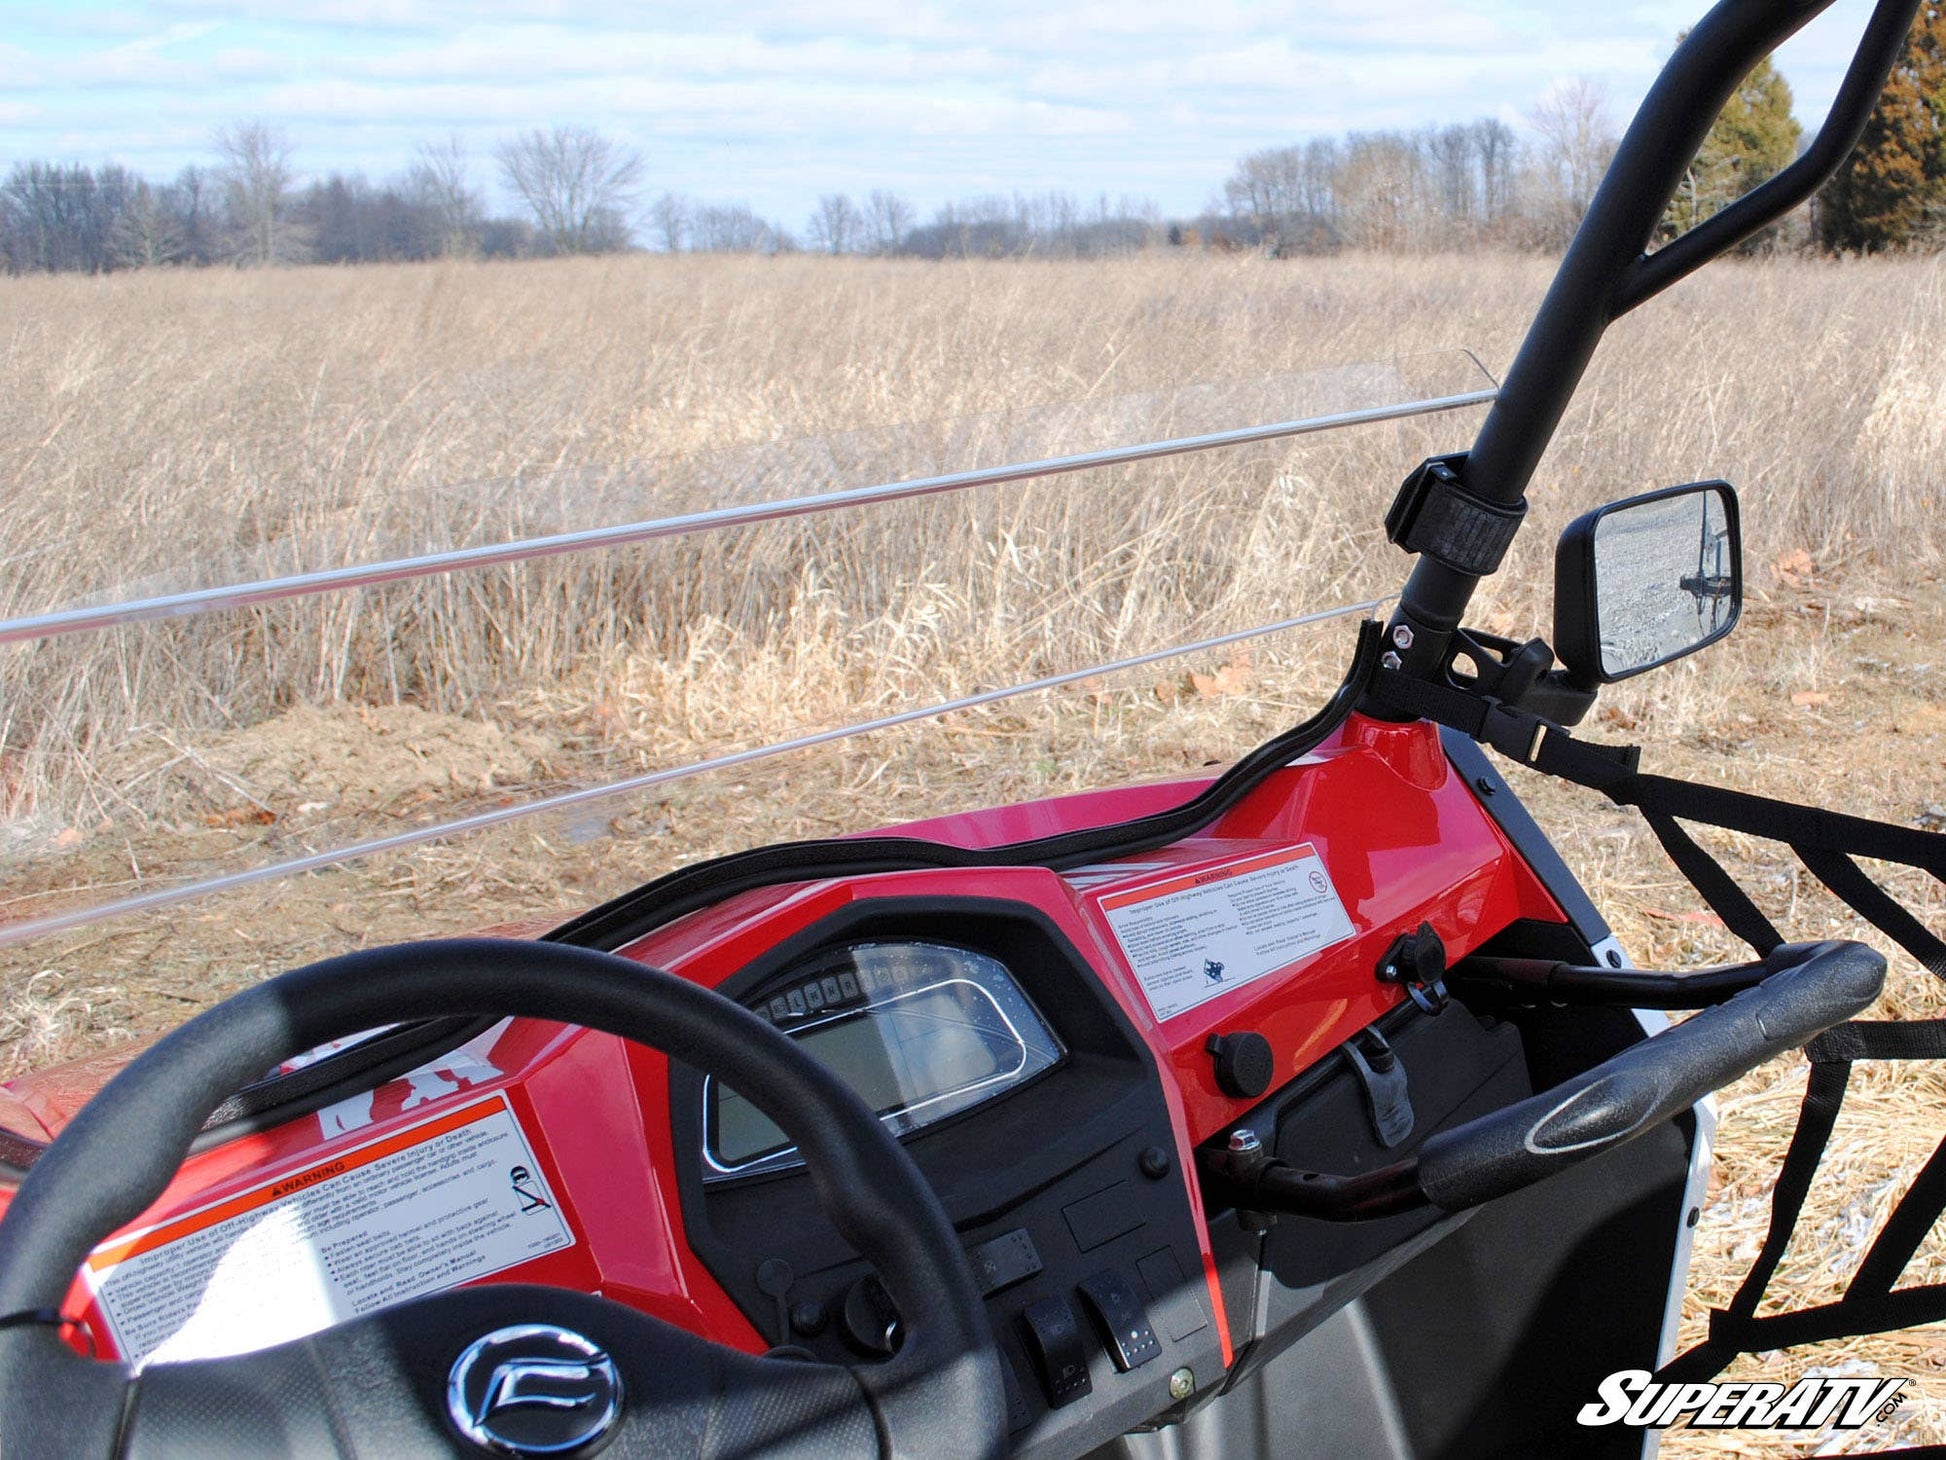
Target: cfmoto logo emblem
{"x":533,"y":1389}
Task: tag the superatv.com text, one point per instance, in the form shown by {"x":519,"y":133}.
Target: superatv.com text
{"x":1632,"y":1397}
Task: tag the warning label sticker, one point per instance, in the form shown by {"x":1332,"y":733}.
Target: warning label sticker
{"x":1199,"y":935}
{"x":453,"y":1199}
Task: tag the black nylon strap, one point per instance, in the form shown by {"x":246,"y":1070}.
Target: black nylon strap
{"x":1527,"y":738}
{"x":1904,"y":1230}
{"x":1881,"y":1039}
{"x":1870,"y":1303}
{"x":1846,"y":1318}
{"x":1718,"y":888}
{"x":1826,"y":842}
{"x":1801,"y":826}
{"x":1845,"y":878}
{"x":1434,"y":514}
{"x":1824,"y":1094}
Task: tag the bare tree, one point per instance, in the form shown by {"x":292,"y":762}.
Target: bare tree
{"x":257,"y":177}
{"x":836,"y":226}
{"x":669,"y":218}
{"x":1577,"y":139}
{"x":190,"y":204}
{"x":1451,"y":155}
{"x":888,"y":219}
{"x":146,"y":233}
{"x":735,"y":229}
{"x":1386,"y":195}
{"x":1287,"y":199}
{"x":579,"y":185}
{"x":441,"y":182}
{"x":1498,"y":150}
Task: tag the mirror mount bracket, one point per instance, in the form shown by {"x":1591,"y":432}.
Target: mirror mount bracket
{"x":1519,"y":675}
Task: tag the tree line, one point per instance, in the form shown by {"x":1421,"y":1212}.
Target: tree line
{"x":1459,"y":186}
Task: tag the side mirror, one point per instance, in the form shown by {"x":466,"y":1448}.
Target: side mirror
{"x":1643,"y":581}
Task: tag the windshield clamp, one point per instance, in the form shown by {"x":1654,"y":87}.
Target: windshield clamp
{"x":1436,"y":516}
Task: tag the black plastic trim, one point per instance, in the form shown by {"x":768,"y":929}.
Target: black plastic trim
{"x":1060,"y":1158}
{"x":622,"y":920}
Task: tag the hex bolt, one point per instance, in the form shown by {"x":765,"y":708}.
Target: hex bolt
{"x":1244,"y":1142}
{"x":1402,"y":635}
{"x":1390,"y":660}
{"x":1182,"y":1384}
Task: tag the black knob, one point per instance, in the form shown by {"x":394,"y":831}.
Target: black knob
{"x":1154,"y":1163}
{"x":809,"y":1317}
{"x":1244,"y":1063}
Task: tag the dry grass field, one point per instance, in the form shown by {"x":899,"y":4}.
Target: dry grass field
{"x":161,"y":431}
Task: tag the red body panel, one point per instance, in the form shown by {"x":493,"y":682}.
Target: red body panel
{"x":1403,"y":838}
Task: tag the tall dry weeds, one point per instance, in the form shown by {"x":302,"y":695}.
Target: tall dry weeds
{"x":164,"y":430}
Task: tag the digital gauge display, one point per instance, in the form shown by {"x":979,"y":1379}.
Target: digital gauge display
{"x":921,"y":1031}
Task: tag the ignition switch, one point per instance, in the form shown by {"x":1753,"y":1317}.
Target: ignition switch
{"x":869,"y":1318}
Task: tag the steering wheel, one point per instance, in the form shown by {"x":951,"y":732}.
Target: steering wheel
{"x":378,"y":1385}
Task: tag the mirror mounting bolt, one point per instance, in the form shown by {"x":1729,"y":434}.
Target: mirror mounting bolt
{"x":1402,"y":635}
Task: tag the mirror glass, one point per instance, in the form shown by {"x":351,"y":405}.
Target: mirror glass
{"x":1666,"y":578}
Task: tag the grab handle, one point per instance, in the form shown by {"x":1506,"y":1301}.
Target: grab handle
{"x":1647,"y":1083}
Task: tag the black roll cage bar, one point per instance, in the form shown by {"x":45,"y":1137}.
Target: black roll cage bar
{"x":1607,"y":269}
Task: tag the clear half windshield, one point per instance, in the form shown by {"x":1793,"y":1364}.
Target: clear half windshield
{"x":204,"y":792}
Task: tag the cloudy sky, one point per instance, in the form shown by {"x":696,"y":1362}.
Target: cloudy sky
{"x":771,"y":103}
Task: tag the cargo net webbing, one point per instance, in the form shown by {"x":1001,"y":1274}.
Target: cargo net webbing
{"x":1826,"y":842}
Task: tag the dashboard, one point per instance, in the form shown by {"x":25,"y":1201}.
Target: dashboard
{"x":979,"y":1033}
{"x":1023,"y":1031}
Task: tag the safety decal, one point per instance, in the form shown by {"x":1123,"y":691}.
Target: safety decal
{"x":1211,"y":929}
{"x":426,"y":1208}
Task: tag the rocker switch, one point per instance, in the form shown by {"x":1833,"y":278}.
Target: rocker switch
{"x":1055,"y":1343}
{"x":1119,"y":1314}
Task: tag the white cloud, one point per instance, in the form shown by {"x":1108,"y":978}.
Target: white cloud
{"x":779,"y":100}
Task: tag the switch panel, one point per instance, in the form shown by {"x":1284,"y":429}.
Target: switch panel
{"x":1008,"y":1259}
{"x":1060,"y":1353}
{"x":1124,"y":1323}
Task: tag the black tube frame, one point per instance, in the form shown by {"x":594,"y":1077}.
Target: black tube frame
{"x":1606,"y":271}
{"x":1498,"y":982}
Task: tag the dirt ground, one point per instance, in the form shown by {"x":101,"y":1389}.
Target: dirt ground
{"x":1837,"y":693}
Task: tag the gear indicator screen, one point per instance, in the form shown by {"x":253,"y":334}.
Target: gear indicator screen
{"x":921,"y":1031}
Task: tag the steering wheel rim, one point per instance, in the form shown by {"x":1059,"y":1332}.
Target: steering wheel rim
{"x":941,"y":1393}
